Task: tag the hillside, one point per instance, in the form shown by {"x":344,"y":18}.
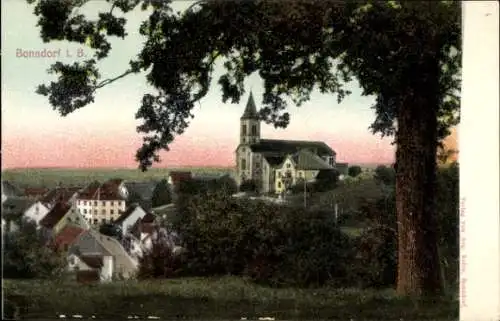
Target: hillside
{"x":51,"y":177}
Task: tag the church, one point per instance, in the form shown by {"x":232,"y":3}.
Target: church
{"x":274,"y":165}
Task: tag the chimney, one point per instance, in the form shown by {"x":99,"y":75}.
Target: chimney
{"x":107,"y":268}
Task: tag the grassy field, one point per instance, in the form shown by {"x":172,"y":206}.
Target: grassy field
{"x":48,"y":177}
{"x":227,"y":298}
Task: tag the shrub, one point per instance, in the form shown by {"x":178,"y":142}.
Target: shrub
{"x":27,"y":255}
{"x":161,"y":194}
{"x":354,"y":171}
{"x":248,"y":186}
{"x":376,"y":259}
{"x":270,"y":244}
{"x":159,"y":262}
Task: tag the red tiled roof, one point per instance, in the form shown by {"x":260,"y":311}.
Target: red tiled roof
{"x":35,"y":192}
{"x":107,"y":191}
{"x":177,"y":176}
{"x":67,"y":236}
{"x":93,"y":261}
{"x":55,"y":215}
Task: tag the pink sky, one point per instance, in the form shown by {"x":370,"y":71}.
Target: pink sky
{"x":83,"y":152}
{"x":103,"y":134}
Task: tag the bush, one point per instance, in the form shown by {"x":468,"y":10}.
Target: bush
{"x":161,"y":194}
{"x":270,"y":244}
{"x":26,"y":255}
{"x":248,"y":186}
{"x":159,"y":262}
{"x":354,"y":171}
{"x":376,"y":259}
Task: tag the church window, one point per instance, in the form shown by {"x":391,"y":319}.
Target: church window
{"x":279,"y":184}
{"x":288,"y":165}
{"x":257,"y":165}
{"x":243,"y":164}
{"x":243,"y":129}
{"x":254,"y":130}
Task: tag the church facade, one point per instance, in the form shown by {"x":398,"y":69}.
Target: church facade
{"x":274,"y":165}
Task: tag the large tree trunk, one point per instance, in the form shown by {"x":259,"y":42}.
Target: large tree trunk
{"x":416,"y":137}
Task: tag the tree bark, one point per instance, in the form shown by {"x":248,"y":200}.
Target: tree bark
{"x":417,"y":138}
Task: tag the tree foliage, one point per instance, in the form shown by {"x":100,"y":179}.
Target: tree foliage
{"x":162,"y":194}
{"x":377,"y":43}
{"x":405,"y":53}
{"x":27,"y":255}
{"x":354,"y":171}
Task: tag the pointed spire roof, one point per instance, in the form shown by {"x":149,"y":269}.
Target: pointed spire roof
{"x":250,"y":110}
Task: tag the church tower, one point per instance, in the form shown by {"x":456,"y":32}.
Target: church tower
{"x":250,"y":123}
{"x":247,"y":163}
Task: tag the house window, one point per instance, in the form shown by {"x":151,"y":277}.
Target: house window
{"x":103,"y":203}
{"x":111,"y":212}
{"x":95,"y":203}
{"x":85,"y":203}
{"x":84,"y":211}
{"x":243,"y":164}
{"x":254,"y":130}
{"x":300,"y":174}
{"x":257,"y":165}
{"x":112,"y":203}
{"x":279,"y":184}
{"x":103,"y":211}
{"x":243,"y":140}
{"x":96,"y":221}
{"x":95,"y":212}
{"x":288,"y":165}
{"x":280,"y":175}
{"x":243,"y":129}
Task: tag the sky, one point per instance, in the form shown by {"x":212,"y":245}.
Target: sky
{"x":104,"y":134}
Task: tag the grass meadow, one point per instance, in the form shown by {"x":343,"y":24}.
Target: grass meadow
{"x":225,"y":298}
{"x":52,"y":177}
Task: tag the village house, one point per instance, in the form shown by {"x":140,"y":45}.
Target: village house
{"x":91,"y":268}
{"x":60,"y":194}
{"x":128,"y":218}
{"x":263,"y":160}
{"x":102,"y":203}
{"x":10,"y":190}
{"x":35,"y":192}
{"x":59,"y":216}
{"x":92,"y":243}
{"x":141,"y":192}
{"x":13,"y":210}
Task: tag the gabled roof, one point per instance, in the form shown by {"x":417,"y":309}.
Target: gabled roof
{"x":305,"y":160}
{"x":16,"y":205}
{"x":130,"y":209}
{"x":67,"y":236}
{"x":59,"y":194}
{"x":35,"y":192}
{"x":250,"y":109}
{"x":143,"y":189}
{"x":178,"y":176}
{"x":107,"y":191}
{"x":275,"y":147}
{"x":55,"y":214}
{"x":342,"y":168}
{"x":274,"y":161}
{"x":11,"y":190}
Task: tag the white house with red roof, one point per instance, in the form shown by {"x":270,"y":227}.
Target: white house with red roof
{"x":101,"y":203}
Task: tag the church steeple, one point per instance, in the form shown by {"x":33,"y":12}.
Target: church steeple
{"x":250,"y":123}
{"x":250,"y":110}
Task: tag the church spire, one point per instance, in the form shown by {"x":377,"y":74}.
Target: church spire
{"x":250,"y":110}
